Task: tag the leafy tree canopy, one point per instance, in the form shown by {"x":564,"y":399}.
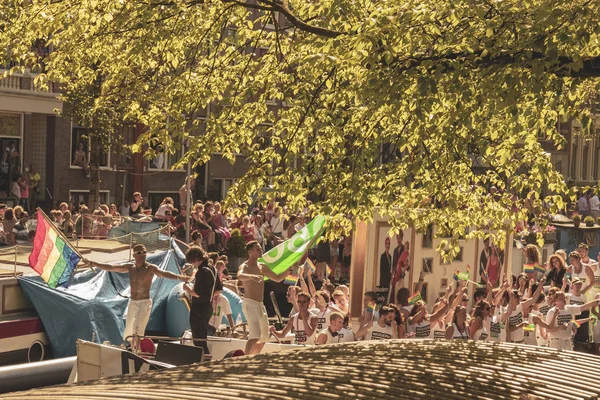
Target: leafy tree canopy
{"x":414,"y":108}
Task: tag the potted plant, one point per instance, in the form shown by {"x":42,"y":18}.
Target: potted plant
{"x":589,"y":221}
{"x":236,"y":250}
{"x":576,"y":220}
{"x":550,"y":234}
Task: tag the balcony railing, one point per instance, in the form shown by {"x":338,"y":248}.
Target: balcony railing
{"x":22,"y":82}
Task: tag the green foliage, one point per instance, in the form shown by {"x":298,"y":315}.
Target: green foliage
{"x":236,"y":246}
{"x":576,"y":218}
{"x":589,"y":221}
{"x":412,"y":108}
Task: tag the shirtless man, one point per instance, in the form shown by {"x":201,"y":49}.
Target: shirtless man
{"x":252,"y":274}
{"x":140,"y":280}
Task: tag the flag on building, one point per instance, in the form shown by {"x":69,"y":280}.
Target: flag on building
{"x":52,"y":256}
{"x":286,"y":254}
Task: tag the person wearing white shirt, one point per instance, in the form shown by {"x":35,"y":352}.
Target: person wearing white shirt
{"x":124,"y":209}
{"x":221,"y":307}
{"x":301,"y":224}
{"x":559,"y":319}
{"x":303,"y":323}
{"x":332,"y":333}
{"x":595,"y":206}
{"x":382,"y":329}
{"x":277,"y":223}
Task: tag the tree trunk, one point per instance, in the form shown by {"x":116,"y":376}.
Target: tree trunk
{"x":95,"y":154}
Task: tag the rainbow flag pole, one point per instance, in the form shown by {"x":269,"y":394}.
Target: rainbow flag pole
{"x":53,"y":257}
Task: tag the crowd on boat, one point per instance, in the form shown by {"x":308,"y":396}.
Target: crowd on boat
{"x":551,"y":305}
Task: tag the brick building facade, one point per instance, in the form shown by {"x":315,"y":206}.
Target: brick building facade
{"x":28,"y":120}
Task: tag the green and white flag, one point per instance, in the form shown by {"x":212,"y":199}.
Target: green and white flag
{"x":283,"y":256}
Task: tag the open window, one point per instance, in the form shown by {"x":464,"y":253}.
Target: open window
{"x":81,"y":149}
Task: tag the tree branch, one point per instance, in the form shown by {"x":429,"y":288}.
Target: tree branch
{"x":281,"y":6}
{"x":561,"y":67}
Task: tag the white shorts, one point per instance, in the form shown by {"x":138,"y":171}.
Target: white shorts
{"x":257,"y":319}
{"x":138,"y":314}
{"x":561,"y":344}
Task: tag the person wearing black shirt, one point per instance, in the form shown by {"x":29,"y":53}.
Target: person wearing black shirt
{"x":206,"y":283}
{"x":135,"y":207}
{"x":557,"y":270}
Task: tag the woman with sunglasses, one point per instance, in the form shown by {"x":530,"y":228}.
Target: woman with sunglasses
{"x":478,"y":327}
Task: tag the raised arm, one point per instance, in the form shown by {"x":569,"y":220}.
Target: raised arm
{"x":489,"y":292}
{"x":529,"y":302}
{"x":411,"y":320}
{"x":310,"y":324}
{"x":500,"y":294}
{"x":123,"y":268}
{"x":439,"y":314}
{"x":311,"y":284}
{"x":272,"y":275}
{"x":590,"y":304}
{"x":363,"y":331}
{"x":303,"y":285}
{"x":457,"y":298}
{"x":169,"y":275}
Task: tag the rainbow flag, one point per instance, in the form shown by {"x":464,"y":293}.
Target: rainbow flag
{"x":52,"y":256}
{"x":576,"y":323}
{"x":328,"y":270}
{"x":539,"y":268}
{"x":310,"y":265}
{"x":371,"y":307}
{"x":528,"y":268}
{"x":291,"y":279}
{"x":414,"y":298}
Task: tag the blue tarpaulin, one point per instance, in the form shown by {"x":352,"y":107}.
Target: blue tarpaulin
{"x":92,"y":304}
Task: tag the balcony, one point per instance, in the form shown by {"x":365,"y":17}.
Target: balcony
{"x":18,"y":94}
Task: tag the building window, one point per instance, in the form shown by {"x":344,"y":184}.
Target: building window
{"x":220,"y":188}
{"x":80,"y":149}
{"x":11,"y":132}
{"x":164,"y":160}
{"x":123,"y":153}
{"x":76,"y":197}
